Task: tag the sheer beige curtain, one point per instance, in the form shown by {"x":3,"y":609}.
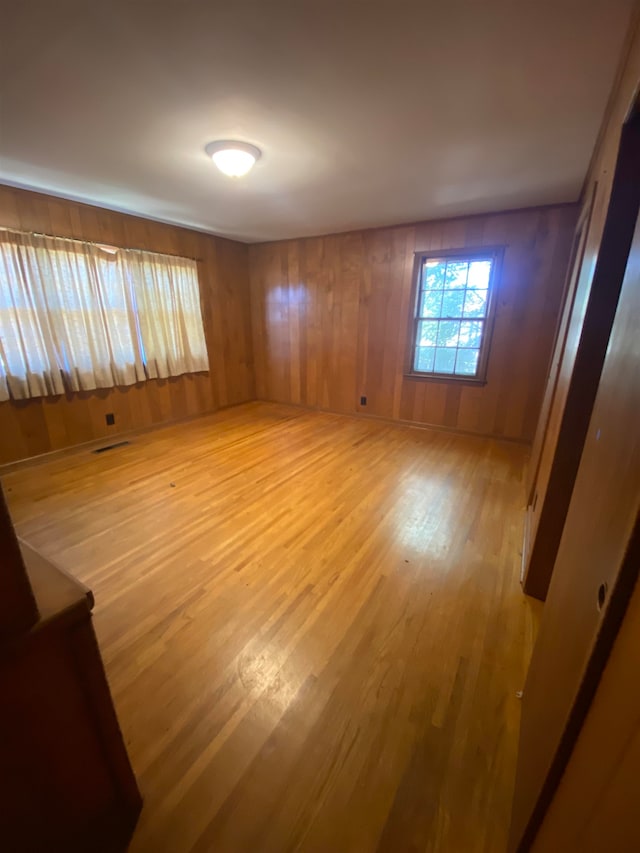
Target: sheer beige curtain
{"x":168,"y":305}
{"x":78,"y":316}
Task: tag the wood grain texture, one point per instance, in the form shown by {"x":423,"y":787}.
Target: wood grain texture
{"x":595,"y":806}
{"x":312,"y":626}
{"x":330,"y":321}
{"x":574,"y":270}
{"x":594,"y":571}
{"x":592,"y":312}
{"x":31,"y":427}
{"x":18,"y":609}
{"x":550,"y":463}
{"x":63,"y":756}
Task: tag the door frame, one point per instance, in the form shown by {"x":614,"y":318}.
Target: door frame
{"x":602,"y":301}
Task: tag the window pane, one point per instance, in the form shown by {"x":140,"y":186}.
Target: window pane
{"x":452,"y":311}
{"x":433,"y":275}
{"x":470,"y":333}
{"x":475,"y":303}
{"x":448,"y":333}
{"x":467,"y":362}
{"x":457,"y":274}
{"x":424,"y":358}
{"x":479,"y":272}
{"x":431,"y":303}
{"x":445,"y":360}
{"x":427,"y":333}
{"x":452,"y":303}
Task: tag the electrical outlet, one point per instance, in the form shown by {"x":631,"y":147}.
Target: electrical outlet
{"x":363,"y":401}
{"x":110,"y":419}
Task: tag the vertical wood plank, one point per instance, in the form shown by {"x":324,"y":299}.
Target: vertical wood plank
{"x":355,"y":322}
{"x":37,"y":426}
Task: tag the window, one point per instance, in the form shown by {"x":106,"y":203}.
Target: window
{"x":453,"y":314}
{"x":77,"y":316}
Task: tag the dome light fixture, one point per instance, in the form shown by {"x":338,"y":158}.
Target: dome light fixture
{"x":233,"y":158}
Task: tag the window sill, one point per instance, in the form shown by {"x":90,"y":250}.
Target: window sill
{"x":445,"y":377}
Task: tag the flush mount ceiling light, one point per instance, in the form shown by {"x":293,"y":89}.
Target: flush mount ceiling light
{"x":233,"y":158}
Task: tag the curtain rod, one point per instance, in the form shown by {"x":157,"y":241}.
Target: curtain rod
{"x":96,"y":243}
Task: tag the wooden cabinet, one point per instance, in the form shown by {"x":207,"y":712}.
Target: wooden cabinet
{"x":65,"y":779}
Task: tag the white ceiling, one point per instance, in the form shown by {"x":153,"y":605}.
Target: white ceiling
{"x":367,"y":112}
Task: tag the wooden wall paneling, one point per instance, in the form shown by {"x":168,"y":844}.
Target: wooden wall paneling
{"x":15,"y":438}
{"x":453,"y":233}
{"x":297,"y":359}
{"x":403,"y":244}
{"x":499,"y":375}
{"x":352,"y":335}
{"x":258,"y":315}
{"x":594,"y":307}
{"x":326,"y":301}
{"x":327,"y":305}
{"x":598,"y":185}
{"x":40,"y":425}
{"x":230,"y":276}
{"x":327,"y":320}
{"x":10,"y":213}
{"x":595,"y":805}
{"x":295,"y":356}
{"x":25,"y":435}
{"x":306,"y":298}
{"x":520,"y":297}
{"x":575,"y":264}
{"x":396,"y":320}
{"x":270,"y":321}
{"x":566,"y":361}
{"x":281,"y":342}
{"x":530,"y":310}
{"x":596,"y":570}
{"x":378,"y":307}
{"x":554,"y":262}
{"x":345,"y":343}
{"x":282,"y":346}
{"x":337,"y":373}
{"x":505,"y":402}
{"x":361,"y":276}
{"x":310,"y":264}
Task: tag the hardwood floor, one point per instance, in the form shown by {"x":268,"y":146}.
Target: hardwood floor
{"x":312,"y":626}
